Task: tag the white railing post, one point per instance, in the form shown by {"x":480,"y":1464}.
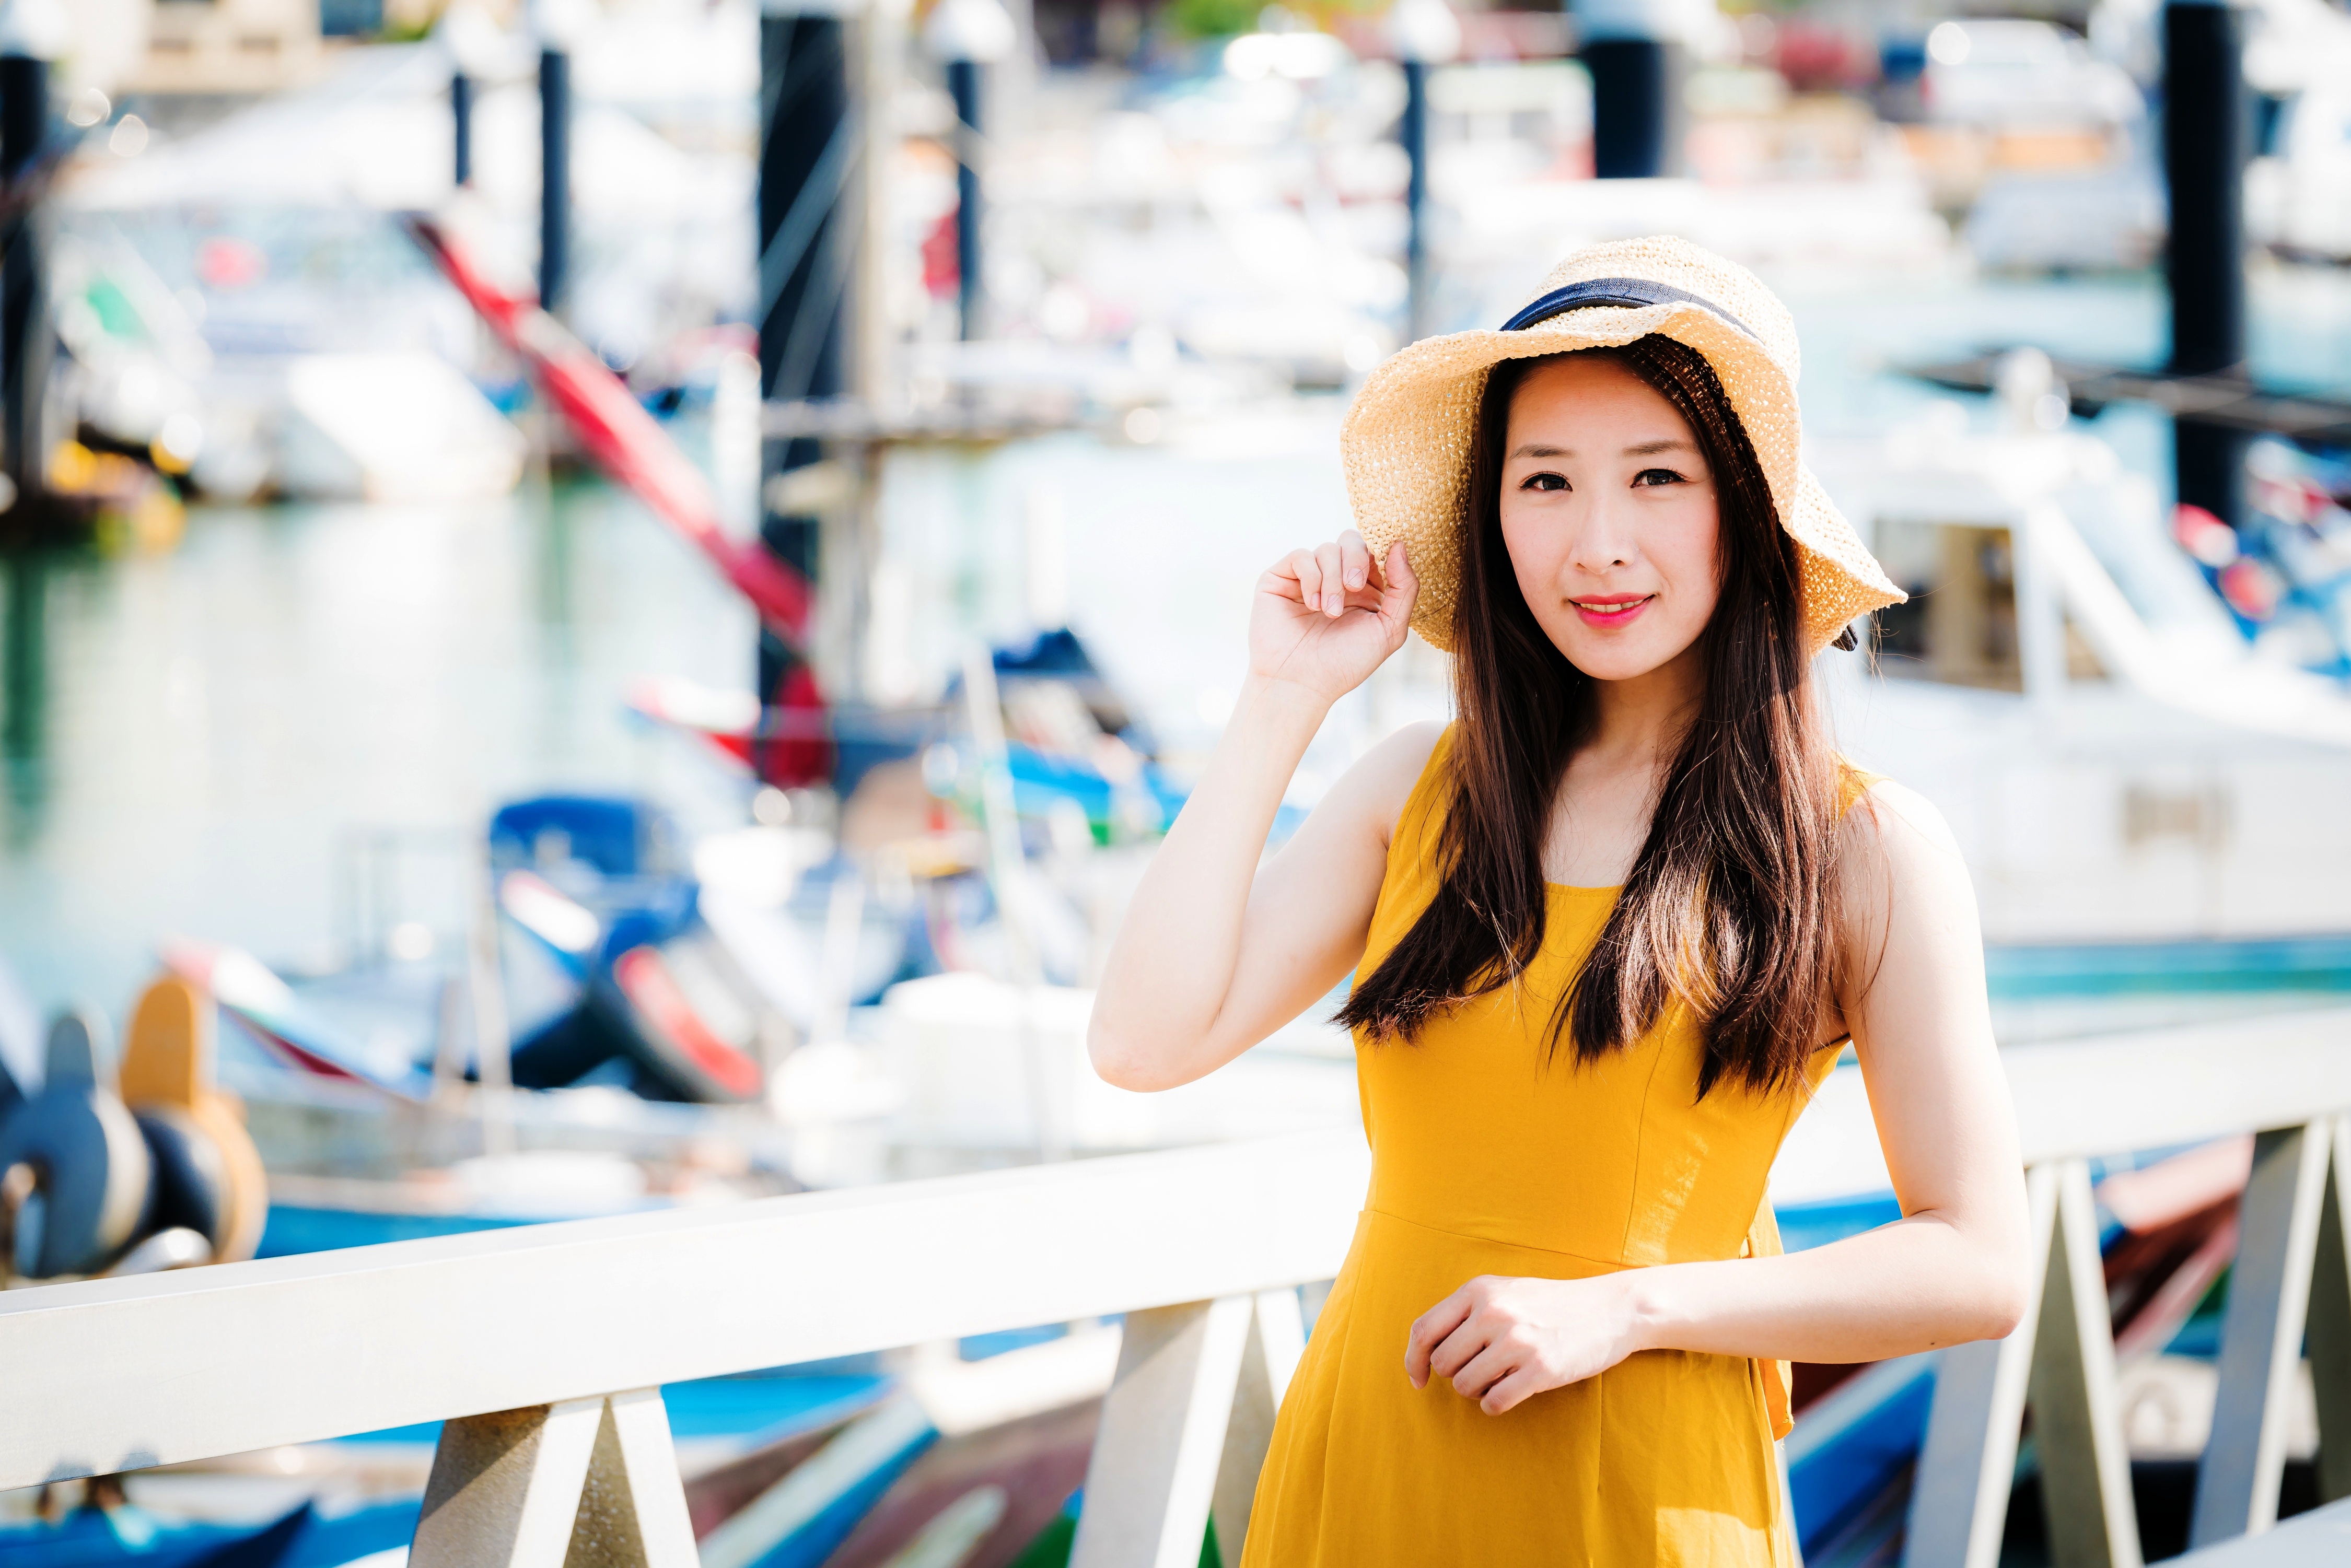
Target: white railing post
{"x":1277,"y":1339}
{"x":1967,"y":1465}
{"x":2261,"y":1337}
{"x":2329,"y":1331}
{"x":2078,"y":1428}
{"x":591,"y":1483}
{"x":1161,"y":1437}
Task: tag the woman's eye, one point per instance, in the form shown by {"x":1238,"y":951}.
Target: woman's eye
{"x":1656,"y":476}
{"x":1544,"y":482}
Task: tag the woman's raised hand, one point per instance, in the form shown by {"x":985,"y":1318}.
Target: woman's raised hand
{"x":1325,"y":618}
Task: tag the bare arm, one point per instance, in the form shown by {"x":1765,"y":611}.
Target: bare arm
{"x":1954,"y":1267}
{"x":1215,"y":954}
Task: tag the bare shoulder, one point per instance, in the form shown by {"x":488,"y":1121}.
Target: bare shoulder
{"x":1899,"y":851}
{"x":1373,"y":791}
{"x":1893,"y":822}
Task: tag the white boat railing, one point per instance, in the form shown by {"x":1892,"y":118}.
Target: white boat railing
{"x":544,"y":1348}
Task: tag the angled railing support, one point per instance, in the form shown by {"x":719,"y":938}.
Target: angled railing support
{"x":1967,"y":1465}
{"x":2261,"y":1337}
{"x":1161,"y":1437}
{"x":504,"y":1488}
{"x":588,"y":1483}
{"x":632,"y":1506}
{"x":2329,"y":1331}
{"x":2078,"y":1428}
{"x":1277,"y":1338}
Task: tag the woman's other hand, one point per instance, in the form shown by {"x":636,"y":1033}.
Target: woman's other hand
{"x":1500,"y":1340}
{"x":1325,"y":618}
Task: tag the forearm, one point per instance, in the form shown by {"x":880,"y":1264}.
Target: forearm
{"x":1916,"y":1285}
{"x":1172,"y":965}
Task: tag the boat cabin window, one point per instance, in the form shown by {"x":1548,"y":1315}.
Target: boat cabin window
{"x":1959,"y":627}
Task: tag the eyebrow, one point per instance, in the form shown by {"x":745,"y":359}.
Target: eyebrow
{"x":1645,"y":449}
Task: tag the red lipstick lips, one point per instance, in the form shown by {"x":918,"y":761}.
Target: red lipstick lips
{"x":1611,"y":609}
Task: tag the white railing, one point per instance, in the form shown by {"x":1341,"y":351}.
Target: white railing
{"x":544,"y":1348}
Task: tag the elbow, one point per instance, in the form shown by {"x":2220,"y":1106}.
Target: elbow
{"x":2002,"y":1310}
{"x":2004,"y":1298}
{"x":1120,"y":1062}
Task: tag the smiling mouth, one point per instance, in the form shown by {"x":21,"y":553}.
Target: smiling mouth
{"x":1605,"y":609}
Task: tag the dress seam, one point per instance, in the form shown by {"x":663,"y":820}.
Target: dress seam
{"x":1496,"y":1241}
{"x":1640,"y":1148}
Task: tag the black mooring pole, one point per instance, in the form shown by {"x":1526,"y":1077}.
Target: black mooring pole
{"x":1412,"y":132}
{"x":461,"y":110}
{"x":807,"y":247}
{"x":555,"y":176}
{"x":1425,"y":34}
{"x":2205,"y":132}
{"x":1636,"y":111}
{"x":24,"y":332}
{"x":964,"y":87}
{"x":966,"y":36}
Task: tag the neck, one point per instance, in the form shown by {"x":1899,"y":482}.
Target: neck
{"x":1640,"y":720}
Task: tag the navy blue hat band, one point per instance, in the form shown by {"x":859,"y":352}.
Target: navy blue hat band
{"x":1635,"y":292}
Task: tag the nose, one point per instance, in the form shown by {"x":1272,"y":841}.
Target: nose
{"x":1602,"y":540}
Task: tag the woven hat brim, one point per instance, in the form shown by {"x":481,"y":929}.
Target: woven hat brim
{"x":1841,"y":580}
{"x":1405,"y":441}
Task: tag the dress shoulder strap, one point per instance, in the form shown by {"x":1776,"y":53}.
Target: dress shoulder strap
{"x":1853,"y":783}
{"x":1422,"y":819}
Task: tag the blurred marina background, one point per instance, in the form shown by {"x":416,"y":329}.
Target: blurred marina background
{"x":613,"y":595}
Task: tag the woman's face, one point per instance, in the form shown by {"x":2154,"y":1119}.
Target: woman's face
{"x":1609,"y":514}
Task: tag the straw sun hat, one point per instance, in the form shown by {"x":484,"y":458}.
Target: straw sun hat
{"x":1406,"y":439}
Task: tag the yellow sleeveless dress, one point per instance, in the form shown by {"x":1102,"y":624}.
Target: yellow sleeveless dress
{"x":1486,"y":1160}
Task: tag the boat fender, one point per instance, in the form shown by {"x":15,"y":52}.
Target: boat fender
{"x":206,"y":1160}
{"x":90,"y":1164}
{"x":191,"y":1179}
{"x":221,"y":1115}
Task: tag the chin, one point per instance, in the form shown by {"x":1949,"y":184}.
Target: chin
{"x":1615,"y":657}
{"x":1615,"y":666}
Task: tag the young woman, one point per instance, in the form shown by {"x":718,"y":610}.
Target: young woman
{"x":1608,"y":931}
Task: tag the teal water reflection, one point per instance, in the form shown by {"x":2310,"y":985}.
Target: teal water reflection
{"x":195,"y":742}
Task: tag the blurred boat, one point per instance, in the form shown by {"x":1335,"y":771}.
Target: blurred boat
{"x":331,"y":412}
{"x":2117,"y":755}
{"x":274,"y":235}
{"x":1073,"y":739}
{"x":2298,"y":190}
{"x":2042,"y":140}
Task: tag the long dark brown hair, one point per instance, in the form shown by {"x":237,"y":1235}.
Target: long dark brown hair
{"x":1730,"y":908}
